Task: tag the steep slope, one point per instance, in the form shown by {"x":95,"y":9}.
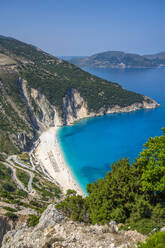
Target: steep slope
{"x":54,"y":230}
{"x":39,"y":91}
{"x":117,"y":59}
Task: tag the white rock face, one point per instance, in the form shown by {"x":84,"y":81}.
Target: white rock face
{"x":55,"y":231}
{"x":75,"y":107}
{"x":45,"y":115}
{"x":42,"y":112}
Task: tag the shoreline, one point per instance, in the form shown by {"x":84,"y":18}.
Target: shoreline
{"x":50,"y":156}
{"x":49,"y":153}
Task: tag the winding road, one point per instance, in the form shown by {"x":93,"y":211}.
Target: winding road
{"x":9,"y":163}
{"x":15,"y":179}
{"x":14,"y":163}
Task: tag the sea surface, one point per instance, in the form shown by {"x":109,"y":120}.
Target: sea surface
{"x":91,"y":145}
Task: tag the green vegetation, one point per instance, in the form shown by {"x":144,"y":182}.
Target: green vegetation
{"x":45,"y":189}
{"x":75,"y":207}
{"x":10,"y":209}
{"x":152,"y":161}
{"x":13,"y":117}
{"x":22,"y":176}
{"x":8,"y":189}
{"x":46,"y":192}
{"x":133,"y":199}
{"x":25,"y":157}
{"x":69,"y":77}
{"x":33,"y":220}
{"x":155,"y":241}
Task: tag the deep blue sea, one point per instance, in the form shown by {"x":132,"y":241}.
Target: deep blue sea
{"x":92,"y":145}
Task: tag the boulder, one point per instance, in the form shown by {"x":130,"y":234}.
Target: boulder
{"x":50,"y":217}
{"x":113,"y":227}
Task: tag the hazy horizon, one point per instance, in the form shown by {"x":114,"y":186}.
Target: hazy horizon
{"x":83,"y":28}
{"x":111,"y":51}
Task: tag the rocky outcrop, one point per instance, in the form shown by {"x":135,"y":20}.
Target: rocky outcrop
{"x":76,"y":108}
{"x":4,"y":227}
{"x":53,"y":230}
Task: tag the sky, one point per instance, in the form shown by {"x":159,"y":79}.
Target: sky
{"x":86,"y":27}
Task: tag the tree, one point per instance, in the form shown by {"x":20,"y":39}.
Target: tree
{"x":152,"y":164}
{"x":113,"y":197}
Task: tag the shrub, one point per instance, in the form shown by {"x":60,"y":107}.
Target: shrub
{"x":11,"y":216}
{"x":10,"y":209}
{"x":33,"y":220}
{"x":22,"y":176}
{"x":155,"y":241}
{"x":8,"y":187}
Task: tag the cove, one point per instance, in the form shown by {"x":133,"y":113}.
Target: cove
{"x":91,"y":145}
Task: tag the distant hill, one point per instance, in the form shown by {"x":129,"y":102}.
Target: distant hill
{"x":158,"y":58}
{"x":118,"y":59}
{"x":68,"y":58}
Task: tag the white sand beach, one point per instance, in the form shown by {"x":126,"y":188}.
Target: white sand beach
{"x":50,"y":156}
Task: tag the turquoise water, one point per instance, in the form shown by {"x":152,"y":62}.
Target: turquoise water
{"x":91,"y":145}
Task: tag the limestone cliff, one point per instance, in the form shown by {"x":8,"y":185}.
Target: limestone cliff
{"x":42,"y":114}
{"x":76,"y":108}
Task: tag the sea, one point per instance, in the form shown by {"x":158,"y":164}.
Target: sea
{"x":91,"y":145}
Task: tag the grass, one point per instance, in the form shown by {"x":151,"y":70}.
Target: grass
{"x":145,"y":225}
{"x":33,"y":220}
{"x":47,"y":192}
{"x":10,"y":209}
{"x":22,"y":176}
{"x":7,"y":184}
{"x":12,"y":123}
{"x":25,"y":157}
{"x":46,"y":189}
{"x":155,"y":241}
{"x":8,"y":188}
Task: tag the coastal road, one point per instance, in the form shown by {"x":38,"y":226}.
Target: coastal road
{"x":17,"y":161}
{"x":24,"y":168}
{"x":15,"y":179}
